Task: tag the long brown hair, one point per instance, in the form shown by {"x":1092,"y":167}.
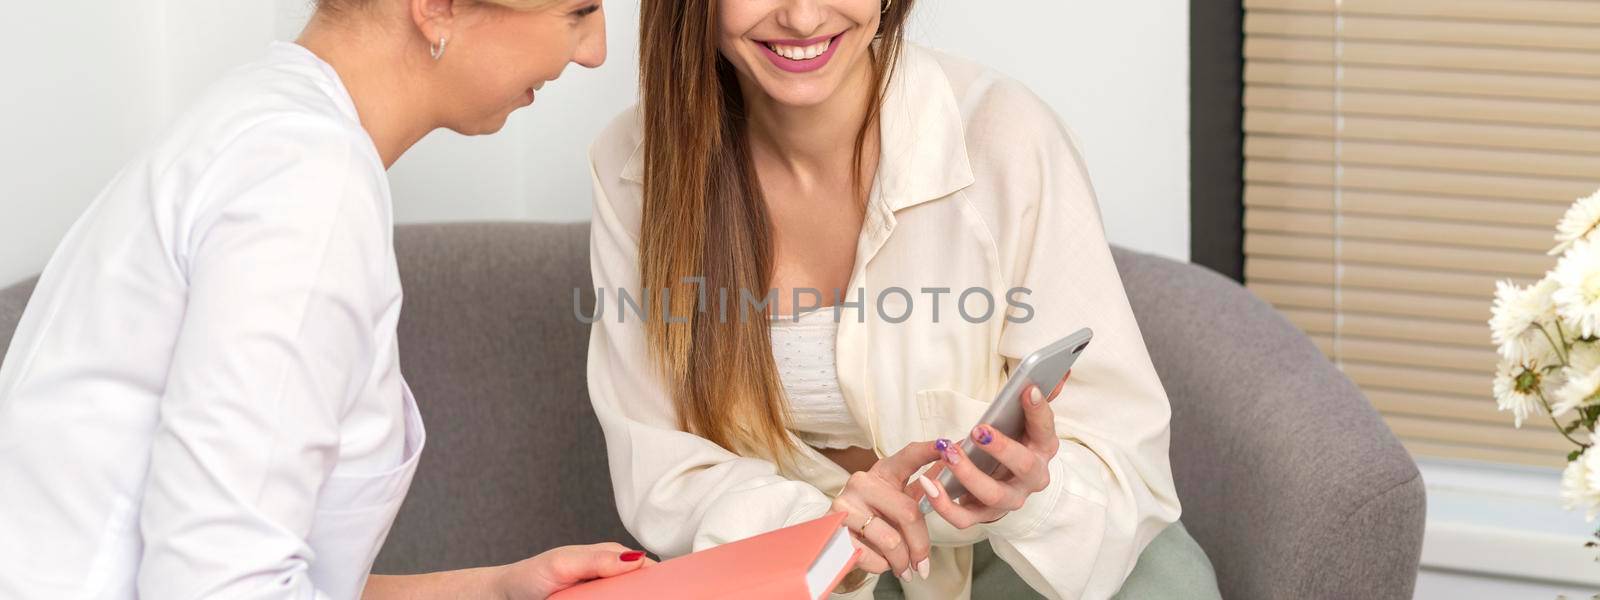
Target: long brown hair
{"x":705,"y":217}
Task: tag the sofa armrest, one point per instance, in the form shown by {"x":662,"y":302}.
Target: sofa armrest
{"x":1288,"y":477}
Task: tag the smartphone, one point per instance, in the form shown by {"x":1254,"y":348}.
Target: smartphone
{"x":1043,"y":368}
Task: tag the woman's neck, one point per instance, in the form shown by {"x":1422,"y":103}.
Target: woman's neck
{"x":394,"y":107}
{"x":813,"y":142}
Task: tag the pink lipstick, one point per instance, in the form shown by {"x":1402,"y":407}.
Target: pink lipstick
{"x":795,"y":48}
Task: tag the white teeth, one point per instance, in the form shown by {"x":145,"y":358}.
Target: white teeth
{"x":801,"y":52}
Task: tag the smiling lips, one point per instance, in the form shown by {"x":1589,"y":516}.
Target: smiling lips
{"x":800,"y":56}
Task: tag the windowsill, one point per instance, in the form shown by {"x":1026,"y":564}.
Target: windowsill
{"x":1504,"y":521}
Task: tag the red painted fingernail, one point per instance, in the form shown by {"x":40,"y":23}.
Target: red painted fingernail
{"x":632,"y":556}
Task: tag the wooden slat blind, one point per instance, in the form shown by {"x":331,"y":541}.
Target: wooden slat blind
{"x":1401,"y":156}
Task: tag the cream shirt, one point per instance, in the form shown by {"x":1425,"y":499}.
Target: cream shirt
{"x":979,"y":186}
{"x":203,"y":398}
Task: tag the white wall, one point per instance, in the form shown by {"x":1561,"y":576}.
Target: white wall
{"x":1118,"y":73}
{"x":87,"y":86}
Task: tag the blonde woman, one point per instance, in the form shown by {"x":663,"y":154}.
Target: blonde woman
{"x":944,"y":214}
{"x":204,"y":397}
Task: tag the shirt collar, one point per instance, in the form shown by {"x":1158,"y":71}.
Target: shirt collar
{"x":924,"y":155}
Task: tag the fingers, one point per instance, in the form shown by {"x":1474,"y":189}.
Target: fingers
{"x":1020,"y":466}
{"x":1039,"y":428}
{"x":916,"y":490}
{"x":882,"y":537}
{"x":901,"y":511}
{"x":572,"y":564}
{"x":980,"y":485}
{"x":870,"y":560}
{"x":960,"y":516}
{"x":873,"y":532}
{"x":898,"y":467}
{"x":897,"y":530}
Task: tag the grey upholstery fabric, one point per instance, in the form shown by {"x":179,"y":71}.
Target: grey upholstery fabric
{"x":1289,"y":480}
{"x":515,"y":462}
{"x":12,"y":300}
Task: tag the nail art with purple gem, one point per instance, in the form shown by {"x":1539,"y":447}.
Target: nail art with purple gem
{"x":981,"y":435}
{"x":952,"y":453}
{"x":942,"y":445}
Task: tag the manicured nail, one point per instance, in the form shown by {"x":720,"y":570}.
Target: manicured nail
{"x":632,"y":556}
{"x":923,"y":568}
{"x":942,"y":445}
{"x":906,"y":576}
{"x":927,"y":486}
{"x":953,"y":454}
{"x":1035,"y":396}
{"x":981,"y":435}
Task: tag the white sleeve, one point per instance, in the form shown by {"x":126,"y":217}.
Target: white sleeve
{"x":1111,"y":488}
{"x":283,"y":266}
{"x":675,"y":491}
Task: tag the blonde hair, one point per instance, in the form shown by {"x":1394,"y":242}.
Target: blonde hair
{"x":346,"y":5}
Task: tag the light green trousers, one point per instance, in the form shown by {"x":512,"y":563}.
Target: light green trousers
{"x":1173,"y":567}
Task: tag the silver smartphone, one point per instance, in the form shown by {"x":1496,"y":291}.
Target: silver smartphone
{"x":1044,"y":368}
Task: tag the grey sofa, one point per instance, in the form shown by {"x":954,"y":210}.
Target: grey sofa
{"x":1288,"y":478}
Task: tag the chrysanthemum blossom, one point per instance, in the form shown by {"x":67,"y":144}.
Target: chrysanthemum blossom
{"x":1579,"y":221}
{"x":1577,"y":293}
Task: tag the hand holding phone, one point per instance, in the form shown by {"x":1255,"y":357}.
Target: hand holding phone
{"x":1044,"y":369}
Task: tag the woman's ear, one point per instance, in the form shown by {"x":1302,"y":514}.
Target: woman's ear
{"x":433,"y":19}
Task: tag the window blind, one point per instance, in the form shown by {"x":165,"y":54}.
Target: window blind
{"x":1401,"y":156}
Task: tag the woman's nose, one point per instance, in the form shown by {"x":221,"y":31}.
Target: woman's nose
{"x":592,"y":48}
{"x":803,"y":17}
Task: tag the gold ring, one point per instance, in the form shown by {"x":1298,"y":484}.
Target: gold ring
{"x":867,"y":522}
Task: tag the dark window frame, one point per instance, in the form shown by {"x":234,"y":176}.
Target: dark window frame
{"x":1216,"y":136}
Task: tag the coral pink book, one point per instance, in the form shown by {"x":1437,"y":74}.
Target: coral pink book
{"x":803,"y":562}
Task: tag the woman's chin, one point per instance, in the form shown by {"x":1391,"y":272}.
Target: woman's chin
{"x":484,"y":126}
{"x":800,"y":94}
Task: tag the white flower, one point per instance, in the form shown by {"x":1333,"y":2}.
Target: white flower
{"x":1580,"y":483}
{"x":1581,"y":385}
{"x":1583,"y":356}
{"x":1579,"y":221}
{"x":1516,"y":389}
{"x":1577,"y":295}
{"x":1517,"y":314}
{"x":1579,"y":390}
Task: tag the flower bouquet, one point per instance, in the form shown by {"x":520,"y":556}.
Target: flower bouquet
{"x":1548,"y":337}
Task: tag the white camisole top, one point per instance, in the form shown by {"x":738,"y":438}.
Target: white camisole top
{"x":804,"y":352}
